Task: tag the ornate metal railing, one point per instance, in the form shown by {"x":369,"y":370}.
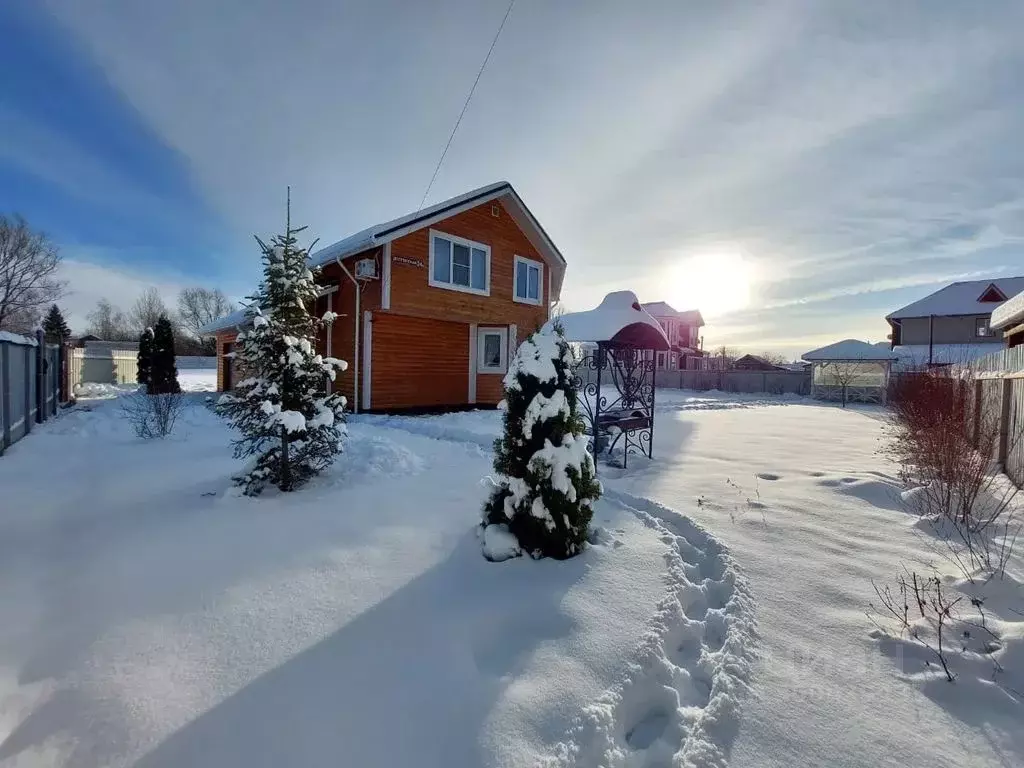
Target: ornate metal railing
{"x":626,"y":414}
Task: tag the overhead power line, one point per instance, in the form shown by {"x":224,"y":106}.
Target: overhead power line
{"x":466,"y":105}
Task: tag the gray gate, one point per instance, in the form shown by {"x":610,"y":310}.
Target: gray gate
{"x":29,"y":385}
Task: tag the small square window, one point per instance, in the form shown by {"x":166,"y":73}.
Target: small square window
{"x":982,"y":328}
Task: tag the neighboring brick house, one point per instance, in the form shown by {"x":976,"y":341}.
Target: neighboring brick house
{"x":683,"y":331}
{"x":445,"y":295}
{"x":953,"y":324}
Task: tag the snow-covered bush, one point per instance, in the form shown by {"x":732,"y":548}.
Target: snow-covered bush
{"x":289,"y":424}
{"x":163,"y":376}
{"x":546,"y":481}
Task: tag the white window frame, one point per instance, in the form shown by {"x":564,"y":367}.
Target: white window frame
{"x":455,"y":240}
{"x":481,"y":334}
{"x":540,"y":281}
{"x":983,"y":327}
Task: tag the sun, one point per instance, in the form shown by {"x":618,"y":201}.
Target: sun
{"x":715,"y":282}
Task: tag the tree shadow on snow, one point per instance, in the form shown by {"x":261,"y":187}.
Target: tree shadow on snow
{"x":409,"y":682}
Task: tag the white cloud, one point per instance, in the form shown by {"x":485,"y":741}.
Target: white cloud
{"x":844,"y":148}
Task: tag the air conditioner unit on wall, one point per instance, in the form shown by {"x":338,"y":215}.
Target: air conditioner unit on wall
{"x":366,"y":269}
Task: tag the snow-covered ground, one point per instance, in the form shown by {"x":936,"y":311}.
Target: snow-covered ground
{"x":153,"y":617}
{"x":190,"y":379}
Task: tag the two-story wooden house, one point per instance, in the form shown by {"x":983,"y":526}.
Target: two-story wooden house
{"x":431,"y":305}
{"x":683,"y":331}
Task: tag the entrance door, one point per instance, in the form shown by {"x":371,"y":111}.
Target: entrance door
{"x":229,"y":366}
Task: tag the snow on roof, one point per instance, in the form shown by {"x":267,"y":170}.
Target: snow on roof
{"x":229,"y":321}
{"x":369,"y":237}
{"x":664,"y":309}
{"x":1009,"y":313}
{"x":386,"y":231}
{"x":14,"y":338}
{"x":659,"y":308}
{"x":916,"y":355}
{"x":619,"y":317}
{"x":851,"y":349}
{"x":960,"y":299}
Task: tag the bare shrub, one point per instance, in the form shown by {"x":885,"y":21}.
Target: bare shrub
{"x":955,"y":628}
{"x":919,"y":600}
{"x":153,"y":415}
{"x":944,"y":443}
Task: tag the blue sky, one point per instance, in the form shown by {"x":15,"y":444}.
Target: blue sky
{"x":794,"y":169}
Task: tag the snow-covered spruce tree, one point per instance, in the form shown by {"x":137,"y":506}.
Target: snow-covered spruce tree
{"x":163,"y":371}
{"x":144,"y":359}
{"x":289,"y":423}
{"x":546,"y":480}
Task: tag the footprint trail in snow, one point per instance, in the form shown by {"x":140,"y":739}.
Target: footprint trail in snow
{"x":678,"y":703}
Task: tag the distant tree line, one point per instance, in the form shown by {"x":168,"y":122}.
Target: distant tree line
{"x":30,"y":288}
{"x":196,"y":307}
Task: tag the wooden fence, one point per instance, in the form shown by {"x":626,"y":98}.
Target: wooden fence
{"x":998,"y":400}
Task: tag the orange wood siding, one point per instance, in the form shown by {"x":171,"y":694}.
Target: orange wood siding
{"x":489,"y":388}
{"x":418,"y":362}
{"x":222,"y":339}
{"x":412,"y":294}
{"x":344,"y":303}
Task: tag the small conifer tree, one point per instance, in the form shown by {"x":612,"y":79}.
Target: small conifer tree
{"x":289,"y":421}
{"x":55,"y":327}
{"x":546,"y":481}
{"x":145,"y":359}
{"x":164,"y":371}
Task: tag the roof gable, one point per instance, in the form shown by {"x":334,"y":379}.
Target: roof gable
{"x":965,"y":298}
{"x":387,"y":231}
{"x":991,"y":294}
{"x":664,"y":309}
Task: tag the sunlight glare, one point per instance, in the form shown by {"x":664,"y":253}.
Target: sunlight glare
{"x":715,"y":282}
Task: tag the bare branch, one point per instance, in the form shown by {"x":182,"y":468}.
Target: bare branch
{"x":28,"y":274}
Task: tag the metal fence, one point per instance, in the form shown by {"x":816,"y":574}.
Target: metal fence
{"x":110,"y":365}
{"x":104,"y":366}
{"x":771,"y":382}
{"x":29,"y":385}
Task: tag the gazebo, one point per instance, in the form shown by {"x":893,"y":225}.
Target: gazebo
{"x":851,"y":370}
{"x":614,"y":375}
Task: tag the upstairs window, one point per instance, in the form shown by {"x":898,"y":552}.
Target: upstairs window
{"x":459,"y":264}
{"x":529,"y":278}
{"x":981,"y":327}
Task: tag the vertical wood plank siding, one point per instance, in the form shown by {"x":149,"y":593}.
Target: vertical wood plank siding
{"x":411,"y":293}
{"x":418,"y":362}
